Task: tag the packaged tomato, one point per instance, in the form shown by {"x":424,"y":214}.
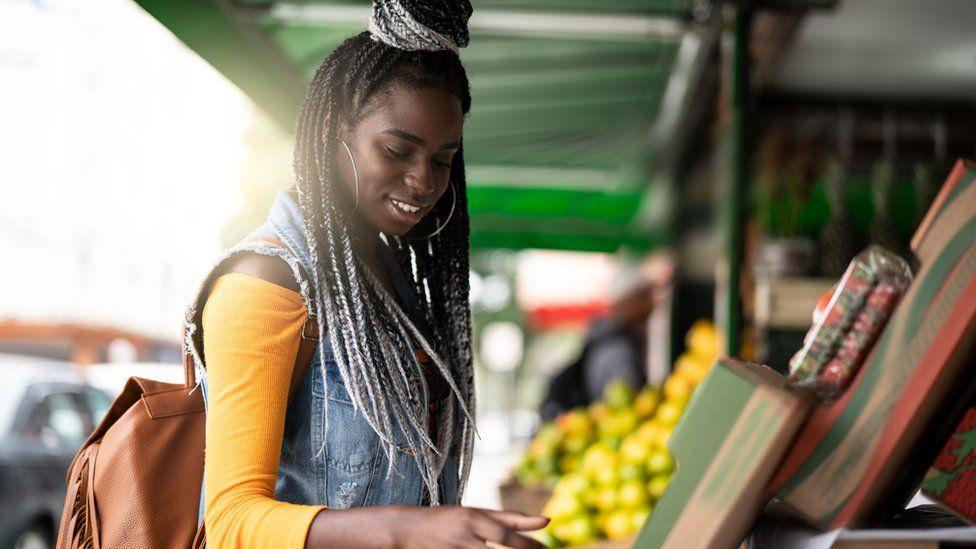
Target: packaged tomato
{"x":846,"y":328}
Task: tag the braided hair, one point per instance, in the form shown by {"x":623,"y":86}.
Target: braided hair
{"x":410,"y":44}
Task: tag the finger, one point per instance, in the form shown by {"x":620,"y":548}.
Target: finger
{"x":494,"y":531}
{"x":519,"y":521}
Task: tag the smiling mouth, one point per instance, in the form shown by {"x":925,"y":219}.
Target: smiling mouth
{"x":407,"y":213}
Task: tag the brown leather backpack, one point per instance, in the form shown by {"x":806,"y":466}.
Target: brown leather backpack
{"x":136,"y":480}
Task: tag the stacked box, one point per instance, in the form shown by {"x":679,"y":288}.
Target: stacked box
{"x":865,"y":298}
{"x":850,"y":462}
{"x":952,"y":479}
{"x":727,"y":444}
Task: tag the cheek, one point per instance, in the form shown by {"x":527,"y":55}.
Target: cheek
{"x":347,"y":174}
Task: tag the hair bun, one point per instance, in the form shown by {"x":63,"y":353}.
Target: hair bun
{"x":428,"y":25}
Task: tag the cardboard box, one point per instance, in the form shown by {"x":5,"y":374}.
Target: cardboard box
{"x":951,"y":481}
{"x":726,"y":445}
{"x":853,"y":458}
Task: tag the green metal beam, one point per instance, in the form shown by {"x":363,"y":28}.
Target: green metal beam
{"x":733,"y":218}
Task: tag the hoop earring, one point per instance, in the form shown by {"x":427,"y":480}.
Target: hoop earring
{"x":446,"y":221}
{"x":355,"y":172}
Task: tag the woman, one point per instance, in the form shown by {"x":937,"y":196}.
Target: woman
{"x":374,"y":448}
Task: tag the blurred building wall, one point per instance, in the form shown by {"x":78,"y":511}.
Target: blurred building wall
{"x":122,"y":154}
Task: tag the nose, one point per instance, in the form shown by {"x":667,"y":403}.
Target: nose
{"x":420,"y":180}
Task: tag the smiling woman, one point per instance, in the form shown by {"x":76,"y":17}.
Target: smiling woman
{"x":372,"y":444}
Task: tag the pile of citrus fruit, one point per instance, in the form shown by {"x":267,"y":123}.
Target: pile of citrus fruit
{"x":608,"y":464}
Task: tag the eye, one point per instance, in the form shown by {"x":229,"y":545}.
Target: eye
{"x":396,"y":153}
{"x":441,"y":165}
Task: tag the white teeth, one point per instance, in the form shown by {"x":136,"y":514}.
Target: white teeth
{"x":406,"y":207}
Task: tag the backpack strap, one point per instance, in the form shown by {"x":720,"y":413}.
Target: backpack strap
{"x":306,"y":347}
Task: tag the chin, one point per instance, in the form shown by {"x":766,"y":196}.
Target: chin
{"x":392,"y":228}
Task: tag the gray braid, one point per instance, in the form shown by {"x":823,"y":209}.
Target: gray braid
{"x":412,"y":25}
{"x":371,"y":337}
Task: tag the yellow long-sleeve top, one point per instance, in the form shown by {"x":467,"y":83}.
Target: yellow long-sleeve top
{"x":251,"y":331}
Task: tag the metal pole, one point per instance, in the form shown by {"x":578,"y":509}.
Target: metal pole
{"x":735,"y":199}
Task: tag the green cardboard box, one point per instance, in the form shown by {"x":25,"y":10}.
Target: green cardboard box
{"x":727,"y":445}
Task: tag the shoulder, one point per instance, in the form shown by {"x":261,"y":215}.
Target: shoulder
{"x":271,"y":268}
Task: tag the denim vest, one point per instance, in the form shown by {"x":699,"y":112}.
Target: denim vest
{"x":351,"y":471}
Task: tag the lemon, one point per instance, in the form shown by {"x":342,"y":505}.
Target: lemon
{"x":660,"y":462}
{"x":547,"y":538}
{"x":619,"y":424}
{"x":648,"y":432}
{"x":606,"y":477}
{"x":598,"y":411}
{"x":575,"y":423}
{"x":646,"y":402}
{"x":632,"y":494}
{"x":563,"y":505}
{"x":575,"y":444}
{"x":668,"y":413}
{"x":657,"y":485}
{"x":634,"y":450}
{"x":573,"y":484}
{"x":703,"y":340}
{"x":618,"y":395}
{"x":598,"y":457}
{"x":691,"y":368}
{"x":639,"y":516}
{"x":631,"y":471}
{"x":605,"y":498}
{"x":677,"y":387}
{"x":578,"y":530}
{"x":618,"y":525}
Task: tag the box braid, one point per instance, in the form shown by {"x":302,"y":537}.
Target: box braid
{"x":372,"y":337}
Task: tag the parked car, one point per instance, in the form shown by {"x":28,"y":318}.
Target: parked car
{"x":47,"y":410}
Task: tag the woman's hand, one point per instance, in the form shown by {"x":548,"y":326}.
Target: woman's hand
{"x":465,"y":527}
{"x":409,"y":527}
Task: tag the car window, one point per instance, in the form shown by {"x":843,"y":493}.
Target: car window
{"x":61,"y":414}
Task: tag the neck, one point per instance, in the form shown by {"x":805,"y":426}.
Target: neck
{"x":364,"y":238}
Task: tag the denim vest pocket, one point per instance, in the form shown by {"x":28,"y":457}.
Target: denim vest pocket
{"x":351,"y":446}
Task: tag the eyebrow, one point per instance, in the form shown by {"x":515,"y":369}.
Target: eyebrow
{"x":407,"y":136}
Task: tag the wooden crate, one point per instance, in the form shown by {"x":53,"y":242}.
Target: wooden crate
{"x":526,"y":499}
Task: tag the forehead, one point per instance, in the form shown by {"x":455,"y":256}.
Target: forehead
{"x":429,"y":113}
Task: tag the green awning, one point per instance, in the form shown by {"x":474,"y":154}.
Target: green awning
{"x":565,"y":95}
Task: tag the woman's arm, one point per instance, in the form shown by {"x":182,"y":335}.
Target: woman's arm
{"x":410,"y":527}
{"x":251,"y":331}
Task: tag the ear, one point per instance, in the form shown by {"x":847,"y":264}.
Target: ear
{"x":342,"y":129}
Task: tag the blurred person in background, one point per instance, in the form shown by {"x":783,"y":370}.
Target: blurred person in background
{"x":615,"y":348}
{"x":374,"y":450}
